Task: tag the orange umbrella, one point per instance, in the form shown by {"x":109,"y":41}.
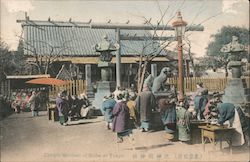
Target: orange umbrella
{"x":47,"y":81}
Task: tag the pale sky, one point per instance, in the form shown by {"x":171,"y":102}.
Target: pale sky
{"x":233,"y":12}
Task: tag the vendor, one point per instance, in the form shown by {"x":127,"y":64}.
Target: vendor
{"x":211,"y":110}
{"x":237,"y":119}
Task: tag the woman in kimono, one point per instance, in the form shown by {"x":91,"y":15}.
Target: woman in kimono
{"x":196,"y":97}
{"x":183,"y":122}
{"x":63,"y":107}
{"x":121,"y":119}
{"x":107,"y":107}
{"x":132,"y":111}
{"x":202,"y":103}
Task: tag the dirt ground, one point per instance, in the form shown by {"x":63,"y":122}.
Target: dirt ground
{"x":28,"y":139}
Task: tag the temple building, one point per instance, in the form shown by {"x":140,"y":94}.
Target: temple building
{"x":68,"y":48}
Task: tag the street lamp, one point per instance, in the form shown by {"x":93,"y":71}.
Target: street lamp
{"x":180,"y":27}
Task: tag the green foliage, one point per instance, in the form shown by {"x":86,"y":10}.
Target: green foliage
{"x":224,"y":36}
{"x":11,"y":62}
{"x":5,"y":57}
{"x":20,"y":58}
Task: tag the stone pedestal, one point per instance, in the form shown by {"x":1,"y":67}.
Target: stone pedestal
{"x":236,"y":92}
{"x":103,"y":88}
{"x":89,"y":88}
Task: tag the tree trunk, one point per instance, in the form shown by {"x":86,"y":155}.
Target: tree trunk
{"x":142,"y":76}
{"x":226,"y":71}
{"x":139,"y":74}
{"x":192,"y":61}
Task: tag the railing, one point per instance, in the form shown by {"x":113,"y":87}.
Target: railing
{"x":73,"y":87}
{"x":212,"y":84}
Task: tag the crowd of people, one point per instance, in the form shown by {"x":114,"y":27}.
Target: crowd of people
{"x":124,"y":110}
{"x":119,"y":112}
{"x":71,"y":107}
{"x":28,"y":100}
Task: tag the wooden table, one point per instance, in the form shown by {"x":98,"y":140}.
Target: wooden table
{"x":196,"y":131}
{"x":215,"y":133}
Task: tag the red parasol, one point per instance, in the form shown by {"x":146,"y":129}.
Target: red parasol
{"x":47,"y":81}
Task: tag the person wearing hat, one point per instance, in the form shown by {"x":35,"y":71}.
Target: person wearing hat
{"x":107,"y":107}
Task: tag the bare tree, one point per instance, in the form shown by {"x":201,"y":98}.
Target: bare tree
{"x":43,"y":61}
{"x":156,"y":43}
{"x":190,"y":54}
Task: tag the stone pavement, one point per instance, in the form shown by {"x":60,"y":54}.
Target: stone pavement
{"x":27,"y":139}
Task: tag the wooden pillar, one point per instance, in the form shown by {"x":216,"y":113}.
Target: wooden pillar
{"x":180,"y":70}
{"x":118,"y":60}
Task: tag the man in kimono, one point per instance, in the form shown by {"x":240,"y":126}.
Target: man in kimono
{"x":183,"y":122}
{"x":168,"y":115}
{"x":145,"y":102}
{"x":107,"y":107}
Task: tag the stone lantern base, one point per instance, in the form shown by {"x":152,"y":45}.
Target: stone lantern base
{"x":236,"y":92}
{"x":103,"y":88}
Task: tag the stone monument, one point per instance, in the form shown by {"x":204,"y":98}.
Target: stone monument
{"x":236,"y":91}
{"x":160,"y":88}
{"x":105,"y":86}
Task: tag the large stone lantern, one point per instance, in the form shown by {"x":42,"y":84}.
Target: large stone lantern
{"x":236,"y":91}
{"x":105,"y":86}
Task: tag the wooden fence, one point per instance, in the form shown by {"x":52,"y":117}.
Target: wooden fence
{"x":212,"y":84}
{"x":73,"y":87}
{"x":77,"y":87}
